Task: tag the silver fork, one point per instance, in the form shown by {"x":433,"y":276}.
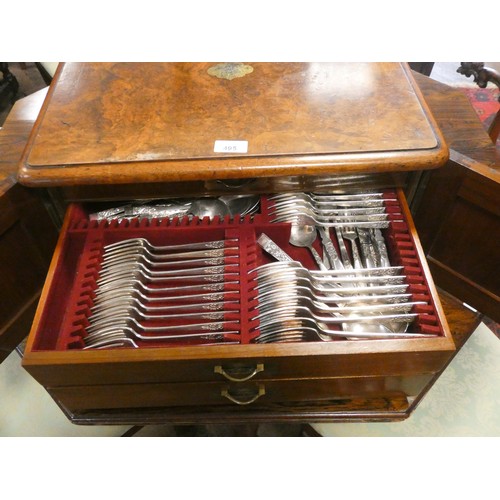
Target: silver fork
{"x":143,"y":242}
{"x":125,"y":303}
{"x":178,"y":274}
{"x":343,"y":250}
{"x":133,"y":315}
{"x":122,"y":334}
{"x":350,"y":233}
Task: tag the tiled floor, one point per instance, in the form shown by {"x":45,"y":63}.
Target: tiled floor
{"x":27,"y":410}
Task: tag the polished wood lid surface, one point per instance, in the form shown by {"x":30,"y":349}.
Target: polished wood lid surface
{"x":149,"y":122}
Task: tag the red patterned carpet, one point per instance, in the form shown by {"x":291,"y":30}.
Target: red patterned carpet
{"x":485,"y":102}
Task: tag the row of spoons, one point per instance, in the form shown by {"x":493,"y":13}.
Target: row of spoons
{"x":222,"y":206}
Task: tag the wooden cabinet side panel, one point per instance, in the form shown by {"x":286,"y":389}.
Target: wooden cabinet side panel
{"x":458,"y":219}
{"x":27,"y":238}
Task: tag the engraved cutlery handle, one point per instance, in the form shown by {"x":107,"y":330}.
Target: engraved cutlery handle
{"x":317,"y":258}
{"x":355,"y":256}
{"x":330,"y":250}
{"x":367,"y":251}
{"x":272,"y":249}
{"x":343,"y":250}
{"x":381,"y":247}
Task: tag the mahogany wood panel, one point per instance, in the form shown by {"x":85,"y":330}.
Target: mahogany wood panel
{"x":27,"y":234}
{"x":119,"y":123}
{"x":469,"y":143}
{"x":14,"y":135}
{"x":125,"y":396}
{"x":382,"y":408}
{"x":27,"y":239}
{"x":462,"y":320}
{"x":457,"y":214}
{"x":299,"y":361}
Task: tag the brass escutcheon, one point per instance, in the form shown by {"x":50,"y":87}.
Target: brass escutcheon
{"x":229,"y":71}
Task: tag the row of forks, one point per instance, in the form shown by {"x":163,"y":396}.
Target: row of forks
{"x":133,"y":304}
{"x":368,"y":294}
{"x":353,"y":217}
{"x":295,"y":303}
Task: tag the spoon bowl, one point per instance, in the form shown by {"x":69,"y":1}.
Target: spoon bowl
{"x":240,"y":204}
{"x":303,"y":233}
{"x":208,"y":207}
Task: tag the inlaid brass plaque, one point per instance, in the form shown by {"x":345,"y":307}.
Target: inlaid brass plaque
{"x":230,"y":71}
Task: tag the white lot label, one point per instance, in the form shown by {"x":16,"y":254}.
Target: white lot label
{"x":231,"y":147}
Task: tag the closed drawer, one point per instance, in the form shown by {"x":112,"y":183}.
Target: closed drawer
{"x":78,"y":399}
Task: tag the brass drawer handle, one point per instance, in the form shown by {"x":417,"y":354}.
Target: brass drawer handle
{"x":225,"y":393}
{"x":259,"y":368}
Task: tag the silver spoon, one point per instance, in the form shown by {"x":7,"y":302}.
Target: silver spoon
{"x":208,"y":207}
{"x":240,"y":204}
{"x":303,"y":234}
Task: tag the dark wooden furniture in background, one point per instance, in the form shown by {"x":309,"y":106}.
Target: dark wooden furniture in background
{"x":482,"y":75}
{"x":27,"y":233}
{"x":424,"y":68}
{"x":457,"y":211}
{"x":47,"y":77}
{"x":8,"y":84}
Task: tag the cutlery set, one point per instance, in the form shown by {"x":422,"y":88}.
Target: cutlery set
{"x":132,"y":304}
{"x":209,"y":292}
{"x":221,"y":206}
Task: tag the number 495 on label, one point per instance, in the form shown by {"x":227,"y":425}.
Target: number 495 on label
{"x":231,"y":147}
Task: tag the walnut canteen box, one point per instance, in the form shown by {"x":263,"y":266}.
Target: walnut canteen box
{"x":117,"y":134}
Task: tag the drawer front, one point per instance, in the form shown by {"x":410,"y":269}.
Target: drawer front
{"x":56,"y":357}
{"x":231,"y":395}
{"x":237,"y":364}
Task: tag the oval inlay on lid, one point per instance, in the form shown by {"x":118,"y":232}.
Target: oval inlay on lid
{"x":229,"y":71}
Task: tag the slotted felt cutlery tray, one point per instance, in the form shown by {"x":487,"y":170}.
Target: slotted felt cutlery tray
{"x":75,"y":277}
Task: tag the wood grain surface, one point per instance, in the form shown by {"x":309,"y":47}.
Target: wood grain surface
{"x":121,"y":123}
{"x":457,"y":214}
{"x":393,"y":359}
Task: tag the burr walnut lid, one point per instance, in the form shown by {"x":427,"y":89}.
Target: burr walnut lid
{"x":119,"y":123}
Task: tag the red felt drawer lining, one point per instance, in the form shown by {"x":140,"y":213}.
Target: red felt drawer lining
{"x":67,"y":309}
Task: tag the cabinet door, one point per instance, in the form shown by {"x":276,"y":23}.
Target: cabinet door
{"x":27,"y":240}
{"x":458,"y":220}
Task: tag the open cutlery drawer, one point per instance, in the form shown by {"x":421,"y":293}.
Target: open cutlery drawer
{"x":189,"y":354}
